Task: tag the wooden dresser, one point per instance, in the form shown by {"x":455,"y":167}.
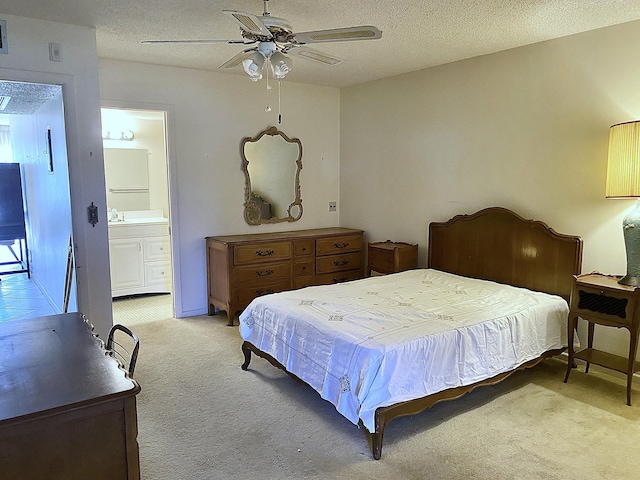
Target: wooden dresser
{"x":67,"y":410}
{"x":242,"y":267}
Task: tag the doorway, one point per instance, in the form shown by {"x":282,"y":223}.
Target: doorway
{"x":138,"y":207}
{"x":34,"y":138}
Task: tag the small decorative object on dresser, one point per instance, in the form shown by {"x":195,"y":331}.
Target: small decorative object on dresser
{"x":601,"y":299}
{"x":243,"y":267}
{"x":391,"y":257}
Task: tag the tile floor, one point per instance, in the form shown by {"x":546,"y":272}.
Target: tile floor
{"x":20,"y":297}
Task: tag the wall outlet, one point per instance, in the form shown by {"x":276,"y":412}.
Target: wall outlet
{"x":333,"y":206}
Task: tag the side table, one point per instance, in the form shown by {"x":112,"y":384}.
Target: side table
{"x":391,"y":257}
{"x":600,"y":299}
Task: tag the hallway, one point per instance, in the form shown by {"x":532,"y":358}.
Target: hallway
{"x":20,"y":297}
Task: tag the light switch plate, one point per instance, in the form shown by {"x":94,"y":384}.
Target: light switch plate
{"x":55,"y":54}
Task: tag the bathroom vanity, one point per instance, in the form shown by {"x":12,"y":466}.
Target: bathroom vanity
{"x":140,"y":253}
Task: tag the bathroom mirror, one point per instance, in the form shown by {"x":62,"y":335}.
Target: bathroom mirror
{"x":271,"y":162}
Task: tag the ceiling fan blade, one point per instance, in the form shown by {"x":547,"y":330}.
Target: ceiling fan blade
{"x":364,"y":32}
{"x":315,"y":55}
{"x":248,"y":22}
{"x":197,"y":42}
{"x":236,"y":59}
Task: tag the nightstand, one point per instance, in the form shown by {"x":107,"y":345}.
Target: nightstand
{"x":600,"y":299}
{"x":391,"y":257}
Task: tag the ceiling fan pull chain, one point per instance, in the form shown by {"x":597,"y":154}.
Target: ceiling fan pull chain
{"x":267,"y":108}
{"x":279,"y":114}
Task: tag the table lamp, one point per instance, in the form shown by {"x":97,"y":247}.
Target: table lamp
{"x":623,"y":181}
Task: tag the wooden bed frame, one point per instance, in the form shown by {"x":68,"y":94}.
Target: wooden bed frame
{"x":493,"y":244}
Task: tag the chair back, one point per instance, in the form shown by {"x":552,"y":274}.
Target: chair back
{"x":123,"y":345}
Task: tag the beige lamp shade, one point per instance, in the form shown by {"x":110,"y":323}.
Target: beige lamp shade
{"x":623,"y":166}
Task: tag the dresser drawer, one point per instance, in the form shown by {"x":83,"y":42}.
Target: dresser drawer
{"x":158,"y":273}
{"x":263,"y":252}
{"x":262,"y":274}
{"x":243,"y":296}
{"x":303,"y":267}
{"x":337,"y":263}
{"x":338,"y":244}
{"x":338,"y":277}
{"x":156,"y":248}
{"x":303,"y":248}
{"x":306,"y":281}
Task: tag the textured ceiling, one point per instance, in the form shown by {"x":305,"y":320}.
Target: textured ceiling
{"x":416,"y":33}
{"x":25,"y":98}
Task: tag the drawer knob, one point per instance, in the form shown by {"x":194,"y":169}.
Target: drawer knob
{"x":341,"y":244}
{"x":267,"y":253}
{"x":340,"y":263}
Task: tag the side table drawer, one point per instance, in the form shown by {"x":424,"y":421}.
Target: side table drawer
{"x":596,"y":301}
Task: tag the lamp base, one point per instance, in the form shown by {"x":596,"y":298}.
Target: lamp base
{"x":631,"y":230}
{"x":630,"y":280}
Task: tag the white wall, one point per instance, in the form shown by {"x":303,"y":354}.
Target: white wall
{"x":526,"y":129}
{"x":28,"y":60}
{"x":148,"y":135}
{"x":209,"y":115}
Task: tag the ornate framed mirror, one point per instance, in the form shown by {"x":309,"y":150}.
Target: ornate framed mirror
{"x":271,"y":162}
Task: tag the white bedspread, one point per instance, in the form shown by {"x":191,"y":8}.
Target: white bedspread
{"x":386,"y":339}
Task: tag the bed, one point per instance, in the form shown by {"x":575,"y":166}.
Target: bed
{"x":493,"y":300}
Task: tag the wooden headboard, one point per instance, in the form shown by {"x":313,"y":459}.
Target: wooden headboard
{"x":497,"y":244}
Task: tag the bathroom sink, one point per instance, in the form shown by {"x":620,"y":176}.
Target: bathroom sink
{"x":139,"y":217}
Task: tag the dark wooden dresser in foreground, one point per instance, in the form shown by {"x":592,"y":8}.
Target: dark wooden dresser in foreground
{"x":243,"y":267}
{"x":67,"y":411}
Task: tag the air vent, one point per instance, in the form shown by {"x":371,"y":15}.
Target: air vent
{"x":4,"y":100}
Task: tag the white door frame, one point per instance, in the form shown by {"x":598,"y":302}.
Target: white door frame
{"x":86,"y":184}
{"x":172,"y":187}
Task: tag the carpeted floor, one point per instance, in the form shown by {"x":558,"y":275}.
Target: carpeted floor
{"x":201,"y":417}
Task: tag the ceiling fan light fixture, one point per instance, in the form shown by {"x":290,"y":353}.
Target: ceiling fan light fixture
{"x":253,"y":66}
{"x":280,"y":65}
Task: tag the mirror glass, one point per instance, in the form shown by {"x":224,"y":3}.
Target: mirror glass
{"x":271,"y":162}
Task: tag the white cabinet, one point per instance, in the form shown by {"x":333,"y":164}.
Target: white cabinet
{"x":140,"y":258}
{"x":127,"y":264}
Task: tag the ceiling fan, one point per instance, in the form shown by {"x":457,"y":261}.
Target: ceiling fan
{"x":273,"y":38}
